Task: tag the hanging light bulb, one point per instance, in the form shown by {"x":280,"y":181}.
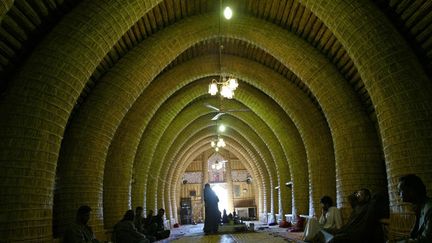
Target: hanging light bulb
{"x":217,"y":144}
{"x":220,"y":143}
{"x":226,"y":91}
{"x":232,"y":83}
{"x":228,"y":13}
{"x":213,"y":89}
{"x":222,"y":128}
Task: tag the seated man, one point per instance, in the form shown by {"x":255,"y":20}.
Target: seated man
{"x":363,"y":224}
{"x":125,"y":231}
{"x":142,"y":225}
{"x":80,"y":232}
{"x":148,"y":220}
{"x":159,"y":228}
{"x":330,"y":220}
{"x":224,"y":217}
{"x":412,"y":190}
{"x":139,"y":219}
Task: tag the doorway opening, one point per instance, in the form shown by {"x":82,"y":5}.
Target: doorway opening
{"x":222,"y":193}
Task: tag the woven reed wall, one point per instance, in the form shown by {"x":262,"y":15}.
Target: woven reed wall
{"x":136,"y":117}
{"x":195,"y":165}
{"x":396,"y":83}
{"x":230,"y":206}
{"x":146,"y":146}
{"x":204,"y":111}
{"x":180,"y":163}
{"x":237,"y":164}
{"x":54,"y":95}
{"x":200,"y":147}
{"x":198,"y":154}
{"x":203,"y":136}
{"x":309,"y":121}
{"x":237,"y":139}
{"x":344,"y":190}
{"x":192,"y":147}
{"x":196,"y":113}
{"x":344,"y":150}
{"x":52,"y":78}
{"x":159,"y":128}
{"x":361,"y":153}
{"x":272,"y":199}
{"x":100,"y":115}
{"x":185,"y":136}
{"x":254,"y":71}
{"x":239,"y":126}
{"x":287,"y":135}
{"x":172,"y":134}
{"x":277,"y":143}
{"x":129,"y":133}
{"x":5,"y":5}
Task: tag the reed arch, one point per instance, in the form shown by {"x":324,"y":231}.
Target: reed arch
{"x":69,"y":77}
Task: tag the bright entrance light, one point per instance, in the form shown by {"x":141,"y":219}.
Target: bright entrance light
{"x":228,"y":13}
{"x":222,"y":194}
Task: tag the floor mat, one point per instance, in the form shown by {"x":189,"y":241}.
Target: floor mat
{"x":231,"y":238}
{"x":194,"y":233}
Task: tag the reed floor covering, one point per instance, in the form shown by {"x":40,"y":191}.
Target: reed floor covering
{"x":261,"y":233}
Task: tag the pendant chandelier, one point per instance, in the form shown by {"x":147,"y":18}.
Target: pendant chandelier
{"x":225,"y":85}
{"x":218,"y":143}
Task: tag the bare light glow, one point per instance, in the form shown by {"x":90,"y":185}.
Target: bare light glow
{"x":232,"y":83}
{"x":213,"y":89}
{"x":220,"y":143}
{"x":221,"y":191}
{"x":228,"y":13}
{"x":222,"y":128}
{"x":227,"y":92}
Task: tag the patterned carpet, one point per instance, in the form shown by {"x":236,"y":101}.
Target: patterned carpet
{"x":194,"y":233}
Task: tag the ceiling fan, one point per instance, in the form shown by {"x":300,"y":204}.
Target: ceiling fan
{"x":222,"y":111}
{"x":218,"y":164}
{"x":221,"y":161}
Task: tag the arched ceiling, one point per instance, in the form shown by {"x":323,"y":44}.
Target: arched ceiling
{"x":129,"y":97}
{"x":25,"y":23}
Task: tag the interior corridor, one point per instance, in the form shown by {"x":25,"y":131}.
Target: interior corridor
{"x":118,"y":104}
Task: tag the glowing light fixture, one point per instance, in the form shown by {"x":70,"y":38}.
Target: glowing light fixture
{"x":217,"y":144}
{"x":228,"y":13}
{"x":217,"y":166}
{"x":222,"y":128}
{"x":225,"y":86}
{"x":213,"y":89}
